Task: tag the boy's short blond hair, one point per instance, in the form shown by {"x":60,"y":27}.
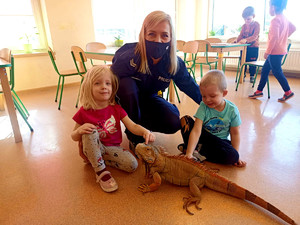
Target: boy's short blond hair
{"x":86,"y":91}
{"x":214,"y":77}
{"x":248,"y":11}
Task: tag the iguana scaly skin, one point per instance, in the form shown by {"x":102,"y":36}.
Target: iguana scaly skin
{"x":185,"y":172}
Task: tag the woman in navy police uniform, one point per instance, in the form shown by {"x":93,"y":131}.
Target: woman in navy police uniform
{"x":146,"y":67}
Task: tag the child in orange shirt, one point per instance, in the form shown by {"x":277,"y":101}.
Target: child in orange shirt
{"x":250,"y":35}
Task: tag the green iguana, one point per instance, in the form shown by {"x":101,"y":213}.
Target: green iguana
{"x":182,"y":171}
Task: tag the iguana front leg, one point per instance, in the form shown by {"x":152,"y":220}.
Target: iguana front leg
{"x":152,"y":187}
{"x":195,"y":185}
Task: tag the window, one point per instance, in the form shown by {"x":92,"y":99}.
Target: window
{"x":226,"y":17}
{"x":22,"y":22}
{"x":124,"y":18}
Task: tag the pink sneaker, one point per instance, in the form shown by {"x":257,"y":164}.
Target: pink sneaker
{"x":108,"y":186}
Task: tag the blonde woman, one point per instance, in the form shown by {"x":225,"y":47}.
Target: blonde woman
{"x":97,"y":125}
{"x":146,"y":67}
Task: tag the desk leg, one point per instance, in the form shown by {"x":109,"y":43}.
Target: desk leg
{"x":10,"y":105}
{"x":243,"y":60}
{"x":1,"y":103}
{"x":171,"y":92}
{"x":220,"y":60}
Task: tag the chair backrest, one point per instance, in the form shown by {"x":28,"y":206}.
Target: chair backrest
{"x":190,"y":47}
{"x":5,"y":54}
{"x":79,"y":57}
{"x":231,"y":40}
{"x":203,"y":46}
{"x":288,"y":49}
{"x":53,"y":58}
{"x":79,"y":54}
{"x":180,"y":45}
{"x":95,"y":46}
{"x":213,"y":40}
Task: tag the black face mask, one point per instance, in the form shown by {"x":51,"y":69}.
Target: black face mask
{"x":156,"y":49}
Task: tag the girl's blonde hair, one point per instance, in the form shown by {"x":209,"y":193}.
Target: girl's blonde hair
{"x":216,"y":77}
{"x":86,"y":91}
{"x":153,"y":19}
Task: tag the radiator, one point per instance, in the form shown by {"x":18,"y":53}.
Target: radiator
{"x":292,"y":63}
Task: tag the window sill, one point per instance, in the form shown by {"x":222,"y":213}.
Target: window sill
{"x":21,"y":54}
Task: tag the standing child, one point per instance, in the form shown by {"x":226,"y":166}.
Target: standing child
{"x":250,"y":35}
{"x":98,"y":127}
{"x":216,"y":119}
{"x":280,"y":30}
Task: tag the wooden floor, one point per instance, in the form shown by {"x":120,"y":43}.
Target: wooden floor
{"x":44,"y":181}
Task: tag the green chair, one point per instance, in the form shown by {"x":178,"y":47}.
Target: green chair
{"x":62,"y":75}
{"x":79,"y":59}
{"x":260,"y":64}
{"x":17,"y":101}
{"x":95,"y":47}
{"x":190,"y":50}
{"x":203,"y":58}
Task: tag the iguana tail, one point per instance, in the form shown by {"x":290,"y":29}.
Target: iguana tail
{"x":218,"y":183}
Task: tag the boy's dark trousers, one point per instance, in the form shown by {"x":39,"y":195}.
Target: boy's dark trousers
{"x":215,"y":149}
{"x":252,"y":55}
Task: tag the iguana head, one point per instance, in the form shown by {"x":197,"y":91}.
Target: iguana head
{"x":148,"y":153}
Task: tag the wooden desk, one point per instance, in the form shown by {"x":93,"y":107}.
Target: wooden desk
{"x":9,"y":100}
{"x":102,"y":54}
{"x":220,"y":48}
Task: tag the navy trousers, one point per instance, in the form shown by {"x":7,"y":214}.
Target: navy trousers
{"x":252,"y":55}
{"x":149,"y":110}
{"x":273,"y":62}
{"x":215,"y":149}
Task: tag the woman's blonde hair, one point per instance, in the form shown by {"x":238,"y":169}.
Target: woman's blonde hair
{"x":86,"y":91}
{"x":153,"y":19}
{"x":216,"y":77}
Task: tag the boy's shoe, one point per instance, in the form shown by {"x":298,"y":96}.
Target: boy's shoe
{"x":108,"y":186}
{"x":198,"y":156}
{"x":251,"y":79}
{"x":256,"y":95}
{"x":286,"y":97}
{"x":182,"y":148}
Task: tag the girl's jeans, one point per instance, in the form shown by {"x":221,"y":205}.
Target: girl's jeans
{"x":273,"y":62}
{"x":114,"y":156}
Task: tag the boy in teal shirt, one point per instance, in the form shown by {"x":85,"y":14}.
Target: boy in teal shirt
{"x":216,"y":120}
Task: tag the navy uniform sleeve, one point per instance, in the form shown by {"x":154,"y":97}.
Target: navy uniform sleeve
{"x":186,"y":83}
{"x":125,"y":61}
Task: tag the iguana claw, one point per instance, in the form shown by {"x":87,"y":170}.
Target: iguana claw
{"x":144,"y":188}
{"x":190,"y":200}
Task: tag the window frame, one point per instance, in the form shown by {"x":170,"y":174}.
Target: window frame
{"x":42,"y":43}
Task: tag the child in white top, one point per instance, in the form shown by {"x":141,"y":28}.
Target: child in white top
{"x":98,"y":127}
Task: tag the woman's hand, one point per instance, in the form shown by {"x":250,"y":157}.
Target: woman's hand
{"x":266,"y":55}
{"x":148,"y":136}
